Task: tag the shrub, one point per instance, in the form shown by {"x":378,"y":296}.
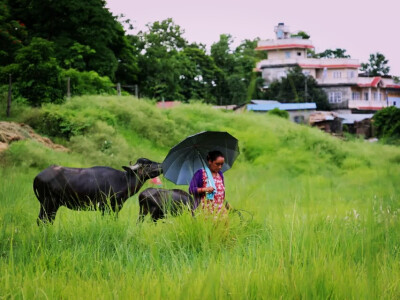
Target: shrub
{"x":88,"y":83}
{"x":280,"y":113}
{"x":387,"y":124}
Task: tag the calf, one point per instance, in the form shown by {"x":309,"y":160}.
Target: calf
{"x":159,"y":202}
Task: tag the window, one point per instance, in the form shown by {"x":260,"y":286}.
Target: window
{"x":366,"y":96}
{"x":298,"y":119}
{"x":350,"y":74}
{"x":337,"y":74}
{"x":287,"y":54}
{"x":377,"y":96}
{"x":356,"y":96}
{"x":298,"y":53}
{"x":335,"y":97}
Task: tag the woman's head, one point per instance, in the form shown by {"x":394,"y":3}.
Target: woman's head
{"x":215,"y":160}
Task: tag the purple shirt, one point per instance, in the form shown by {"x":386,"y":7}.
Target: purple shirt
{"x":196,"y":183}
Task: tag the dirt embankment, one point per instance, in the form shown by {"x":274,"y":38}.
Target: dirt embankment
{"x":12,"y":132}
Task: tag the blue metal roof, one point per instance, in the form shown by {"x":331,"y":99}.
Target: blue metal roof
{"x":282,"y":106}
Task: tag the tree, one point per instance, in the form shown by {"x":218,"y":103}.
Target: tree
{"x":82,"y":31}
{"x":237,"y":82}
{"x":159,"y":61}
{"x":224,"y":60}
{"x":292,"y":89}
{"x":304,"y":35}
{"x":377,"y":65}
{"x":336,"y":53}
{"x":37,"y":73}
{"x":12,"y":34}
{"x":387,"y":123}
{"x":246,"y":58}
{"x":198,"y":73}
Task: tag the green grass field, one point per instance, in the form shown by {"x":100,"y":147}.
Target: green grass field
{"x":320,"y":215}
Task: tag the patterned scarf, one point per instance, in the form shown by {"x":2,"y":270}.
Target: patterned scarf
{"x":210,"y":182}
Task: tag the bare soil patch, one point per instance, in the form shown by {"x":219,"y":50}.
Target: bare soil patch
{"x":12,"y":132}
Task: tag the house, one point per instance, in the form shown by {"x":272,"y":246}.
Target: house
{"x":298,"y":112}
{"x":358,"y":124}
{"x":327,"y":121}
{"x":339,"y":77}
{"x":336,"y":123}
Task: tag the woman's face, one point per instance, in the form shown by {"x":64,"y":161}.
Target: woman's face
{"x":216,"y":165}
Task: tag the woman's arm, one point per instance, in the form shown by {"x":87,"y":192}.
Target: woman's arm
{"x":196,"y":184}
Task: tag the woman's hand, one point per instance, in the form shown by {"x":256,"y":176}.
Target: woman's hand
{"x":208,"y":189}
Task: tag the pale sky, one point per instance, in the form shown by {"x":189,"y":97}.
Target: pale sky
{"x":361,"y":27}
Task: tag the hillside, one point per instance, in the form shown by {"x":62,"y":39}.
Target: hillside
{"x":320,"y":215}
{"x":112,"y":130}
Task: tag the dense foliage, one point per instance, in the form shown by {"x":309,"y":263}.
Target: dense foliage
{"x":280,"y":113}
{"x":300,"y":87}
{"x":320,"y":216}
{"x":70,"y":39}
{"x":37,"y":73}
{"x":387,"y":124}
{"x":377,"y":65}
{"x":330,"y":53}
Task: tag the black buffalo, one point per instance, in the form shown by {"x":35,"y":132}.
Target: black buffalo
{"x":90,"y":188}
{"x":159,"y":202}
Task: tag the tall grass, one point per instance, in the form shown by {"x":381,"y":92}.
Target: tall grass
{"x":320,"y":216}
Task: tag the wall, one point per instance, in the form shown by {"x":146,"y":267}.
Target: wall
{"x":300,"y":116}
{"x":346,"y":96}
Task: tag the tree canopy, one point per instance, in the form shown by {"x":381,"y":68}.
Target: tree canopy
{"x":387,"y":124}
{"x":333,"y":53}
{"x":84,"y":42}
{"x":292,"y":88}
{"x":376,"y":66}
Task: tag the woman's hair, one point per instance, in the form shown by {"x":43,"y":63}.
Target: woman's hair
{"x":213,"y":155}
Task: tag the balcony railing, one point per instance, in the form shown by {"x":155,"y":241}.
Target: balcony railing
{"x":311,"y":62}
{"x":344,"y":80}
{"x":368,"y":103}
{"x":297,"y":41}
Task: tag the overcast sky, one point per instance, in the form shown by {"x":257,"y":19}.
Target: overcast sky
{"x":361,"y":27}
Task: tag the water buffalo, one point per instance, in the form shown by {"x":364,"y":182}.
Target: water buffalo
{"x":158,"y":202}
{"x":90,"y":188}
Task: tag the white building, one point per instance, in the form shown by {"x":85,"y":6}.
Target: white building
{"x":337,"y":76}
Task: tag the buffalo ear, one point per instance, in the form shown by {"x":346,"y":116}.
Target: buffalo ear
{"x":133,"y":169}
{"x":127,"y":169}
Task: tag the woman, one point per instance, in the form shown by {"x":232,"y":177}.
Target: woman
{"x":207,"y":185}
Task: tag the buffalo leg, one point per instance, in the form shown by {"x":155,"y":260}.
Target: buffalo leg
{"x":47,"y":214}
{"x":143,"y":211}
{"x":156,"y":213}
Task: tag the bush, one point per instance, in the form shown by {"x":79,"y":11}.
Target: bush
{"x":280,"y":113}
{"x":387,"y":124}
{"x":31,"y":154}
{"x":88,"y":83}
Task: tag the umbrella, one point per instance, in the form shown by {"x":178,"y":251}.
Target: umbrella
{"x":184,"y":159}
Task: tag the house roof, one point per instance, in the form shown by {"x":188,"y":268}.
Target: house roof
{"x":281,"y":106}
{"x":263,"y":102}
{"x":320,"y":116}
{"x":167,"y":104}
{"x":374,"y":81}
{"x":285,"y":46}
{"x":351,"y":118}
{"x":369,"y":81}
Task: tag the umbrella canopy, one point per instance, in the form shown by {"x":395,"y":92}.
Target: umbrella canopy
{"x":190,"y":155}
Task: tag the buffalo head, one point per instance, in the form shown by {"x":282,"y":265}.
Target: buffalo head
{"x":144,"y":169}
